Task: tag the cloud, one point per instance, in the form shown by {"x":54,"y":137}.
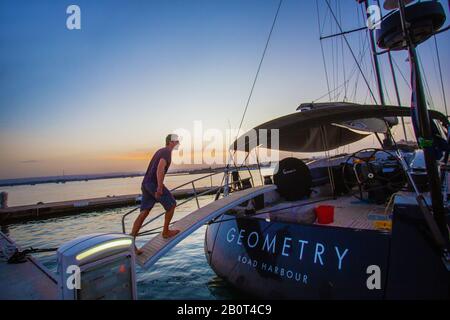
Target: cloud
{"x":131,"y":155}
{"x":29,"y":161}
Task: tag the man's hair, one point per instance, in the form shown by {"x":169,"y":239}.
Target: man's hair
{"x":168,"y":139}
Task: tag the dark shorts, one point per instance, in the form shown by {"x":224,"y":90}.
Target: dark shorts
{"x":148,"y":197}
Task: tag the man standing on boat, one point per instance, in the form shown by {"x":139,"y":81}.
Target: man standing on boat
{"x":153,"y":189}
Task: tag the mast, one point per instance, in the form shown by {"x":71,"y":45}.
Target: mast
{"x":394,"y":79}
{"x":423,"y":131}
{"x":387,"y":138}
{"x":374,"y":56}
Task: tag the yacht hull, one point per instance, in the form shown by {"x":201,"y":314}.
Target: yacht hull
{"x":278,"y":260}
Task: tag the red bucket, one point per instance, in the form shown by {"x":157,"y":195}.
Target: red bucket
{"x":325,"y":214}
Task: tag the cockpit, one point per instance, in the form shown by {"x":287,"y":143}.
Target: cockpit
{"x":359,"y":184}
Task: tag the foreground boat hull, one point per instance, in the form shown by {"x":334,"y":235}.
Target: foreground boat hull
{"x":280,"y":260}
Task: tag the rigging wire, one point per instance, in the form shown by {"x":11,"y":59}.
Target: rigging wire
{"x":325,"y":18}
{"x":259,"y":66}
{"x":256,"y":77}
{"x":323,"y":53}
{"x":427,"y":87}
{"x":363,"y":44}
{"x":333,"y":65}
{"x":440,"y":75}
{"x":435,"y":68}
{"x":351,"y":51}
{"x":343,"y":59}
{"x":363,"y":52}
{"x":383,"y":79}
{"x":397,"y":93}
{"x":401,"y":73}
{"x":336,"y":56}
{"x":373,"y":71}
{"x":328,"y":93}
{"x":367,"y":69}
{"x":394,"y":81}
{"x":335,"y":59}
{"x":368,"y":94}
{"x":352,"y":73}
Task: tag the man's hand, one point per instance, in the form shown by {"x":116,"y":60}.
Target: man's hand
{"x":159,"y":192}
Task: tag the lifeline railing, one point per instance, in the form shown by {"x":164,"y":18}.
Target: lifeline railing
{"x":216,"y":189}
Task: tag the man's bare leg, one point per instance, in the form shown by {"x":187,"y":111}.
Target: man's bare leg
{"x":167,"y":233}
{"x":137,"y":226}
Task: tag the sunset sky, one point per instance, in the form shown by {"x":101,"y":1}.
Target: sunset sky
{"x":101,"y":99}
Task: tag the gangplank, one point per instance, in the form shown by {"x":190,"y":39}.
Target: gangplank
{"x":157,"y":247}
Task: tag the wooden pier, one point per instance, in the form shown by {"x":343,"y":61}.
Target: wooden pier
{"x":25,"y":281}
{"x":54,"y":209}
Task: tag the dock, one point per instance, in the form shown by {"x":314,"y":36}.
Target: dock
{"x":55,"y":209}
{"x":25,"y":281}
{"x":158,"y":246}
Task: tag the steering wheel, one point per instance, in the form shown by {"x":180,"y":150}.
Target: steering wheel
{"x":375,"y":178}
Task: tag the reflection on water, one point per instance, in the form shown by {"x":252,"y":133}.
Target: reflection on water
{"x":182,"y":274}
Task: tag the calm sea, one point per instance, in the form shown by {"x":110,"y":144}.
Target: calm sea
{"x":182,"y":274}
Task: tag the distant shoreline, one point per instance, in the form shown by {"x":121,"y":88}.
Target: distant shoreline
{"x":88,"y":177}
{"x":64,"y":179}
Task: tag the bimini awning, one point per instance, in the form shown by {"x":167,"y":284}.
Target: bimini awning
{"x":326,"y":126}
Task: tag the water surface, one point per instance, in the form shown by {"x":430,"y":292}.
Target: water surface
{"x":182,"y":274}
